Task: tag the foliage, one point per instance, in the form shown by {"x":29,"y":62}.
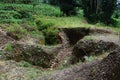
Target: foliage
{"x":9,"y":47}
{"x":43,"y":24}
{"x":24,"y":64}
{"x":51,"y":36}
{"x":17,"y":13}
{"x":96,"y":11}
{"x":54,"y":2}
{"x":108,"y":7}
{"x":47,"y":27}
{"x":24,"y":14}
{"x":16,"y":31}
{"x":68,"y":7}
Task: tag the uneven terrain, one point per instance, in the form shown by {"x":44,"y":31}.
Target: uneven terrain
{"x":82,"y":54}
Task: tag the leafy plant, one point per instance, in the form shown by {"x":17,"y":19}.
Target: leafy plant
{"x":51,"y":36}
{"x":43,"y":24}
{"x":101,"y":10}
{"x":16,"y":31}
{"x":24,"y":64}
{"x":9,"y":47}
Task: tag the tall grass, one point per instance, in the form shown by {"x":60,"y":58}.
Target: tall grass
{"x":18,"y":12}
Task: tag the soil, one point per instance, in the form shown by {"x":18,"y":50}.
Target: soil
{"x":106,"y":69}
{"x":76,"y":44}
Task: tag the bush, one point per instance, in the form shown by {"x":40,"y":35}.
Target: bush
{"x":68,"y":7}
{"x":24,"y":64}
{"x":9,"y":47}
{"x":54,"y":2}
{"x":43,"y":24}
{"x":46,"y":26}
{"x":16,"y":31}
{"x":51,"y":36}
{"x":24,"y":14}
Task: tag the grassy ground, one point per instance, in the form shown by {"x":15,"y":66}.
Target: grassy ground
{"x":42,"y":20}
{"x":19,"y":13}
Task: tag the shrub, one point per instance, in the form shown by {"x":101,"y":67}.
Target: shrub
{"x":68,"y":7}
{"x":24,"y":64}
{"x":9,"y":47}
{"x":54,"y":2}
{"x":49,"y":31}
{"x":16,"y":31}
{"x":51,"y":36}
{"x":24,"y":14}
{"x":43,"y":24}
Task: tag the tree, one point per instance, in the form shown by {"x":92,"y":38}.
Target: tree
{"x":108,"y":7}
{"x":26,"y":1}
{"x":67,"y":7}
{"x":99,"y":10}
{"x":54,"y":2}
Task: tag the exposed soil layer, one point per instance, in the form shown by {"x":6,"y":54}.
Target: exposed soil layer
{"x":76,"y":44}
{"x":75,"y":34}
{"x":91,"y":47}
{"x":81,"y":42}
{"x":36,"y":55}
{"x":106,"y":69}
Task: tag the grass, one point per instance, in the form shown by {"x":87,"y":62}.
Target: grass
{"x":9,"y":47}
{"x":76,"y":21}
{"x":92,"y":58}
{"x":44,"y":12}
{"x":17,"y":13}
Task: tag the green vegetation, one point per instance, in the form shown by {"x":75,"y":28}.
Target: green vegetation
{"x":68,"y":7}
{"x":42,"y":23}
{"x":9,"y":47}
{"x":12,"y":13}
{"x":24,"y":64}
{"x":16,"y":31}
{"x":96,"y":11}
{"x":37,"y":22}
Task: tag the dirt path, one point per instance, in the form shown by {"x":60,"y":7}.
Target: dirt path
{"x":64,"y":52}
